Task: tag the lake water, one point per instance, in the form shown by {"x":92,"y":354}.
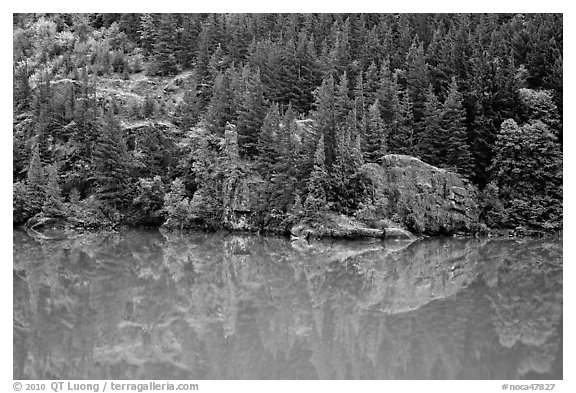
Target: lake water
{"x":148,"y":305}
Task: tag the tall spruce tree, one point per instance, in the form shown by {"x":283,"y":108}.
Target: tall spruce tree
{"x":52,"y":206}
{"x":325,"y":117}
{"x":35,"y":181}
{"x":401,"y":135}
{"x":375,"y":145}
{"x":251,"y":114}
{"x":267,"y":141}
{"x":316,"y":200}
{"x":458,"y":156}
{"x":110,"y":163}
{"x":431,"y":141}
{"x":165,"y":45}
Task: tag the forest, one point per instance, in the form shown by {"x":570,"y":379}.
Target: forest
{"x":158,"y":119}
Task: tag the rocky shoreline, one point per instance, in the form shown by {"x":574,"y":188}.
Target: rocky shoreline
{"x":411,"y":199}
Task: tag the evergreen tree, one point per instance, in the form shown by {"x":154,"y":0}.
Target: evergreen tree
{"x":453,"y":126}
{"x":431,"y":143}
{"x":148,"y":32}
{"x":110,"y":163}
{"x":52,"y":206}
{"x":318,"y":183}
{"x":344,"y":194}
{"x":342,"y":102}
{"x":325,"y":117}
{"x":388,"y":93}
{"x":416,"y":81}
{"x":527,"y":169}
{"x":267,"y":141}
{"x":177,"y":206}
{"x":401,"y":135}
{"x":284,"y":180}
{"x":35,"y":181}
{"x":371,"y":84}
{"x":375,"y":144}
{"x":219,"y":111}
{"x":189,"y":109}
{"x":251,"y":115}
{"x":164,"y":46}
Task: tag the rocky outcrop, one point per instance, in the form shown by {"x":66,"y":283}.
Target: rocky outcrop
{"x":240,"y":209}
{"x":426,"y":199}
{"x":337,"y":227}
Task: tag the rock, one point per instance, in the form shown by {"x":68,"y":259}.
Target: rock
{"x":336,"y":226}
{"x":425,"y":198}
{"x":300,"y":232}
{"x":240,"y":207}
{"x":398,"y":234}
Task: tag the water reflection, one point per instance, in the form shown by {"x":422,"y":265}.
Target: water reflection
{"x":143,"y":304}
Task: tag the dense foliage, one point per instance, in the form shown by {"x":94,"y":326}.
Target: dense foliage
{"x":298,"y":101}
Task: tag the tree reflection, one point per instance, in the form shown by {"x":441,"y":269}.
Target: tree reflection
{"x":145,"y":304}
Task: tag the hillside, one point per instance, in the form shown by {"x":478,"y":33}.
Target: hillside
{"x":270,"y":122}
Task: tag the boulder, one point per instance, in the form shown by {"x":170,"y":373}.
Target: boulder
{"x":426,"y":199}
{"x":241,"y":202}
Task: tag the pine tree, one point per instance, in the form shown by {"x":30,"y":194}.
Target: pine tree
{"x":189,"y":109}
{"x":251,"y":115}
{"x":431,"y":143}
{"x":458,"y":155}
{"x":342,"y":102}
{"x":164,"y":46}
{"x":318,"y":183}
{"x":308,"y":73}
{"x":35,"y":181}
{"x":375,"y":145}
{"x":110,"y":161}
{"x":401,"y":134}
{"x":325,"y":117}
{"x":344,"y":194}
{"x":371,"y":84}
{"x":177,"y":205}
{"x":219,"y":111}
{"x":285,"y":170}
{"x":267,"y":141}
{"x":148,"y":33}
{"x":388,"y":93}
{"x":416,"y":81}
{"x":52,"y":206}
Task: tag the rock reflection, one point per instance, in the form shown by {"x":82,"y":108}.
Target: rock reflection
{"x":143,"y":304}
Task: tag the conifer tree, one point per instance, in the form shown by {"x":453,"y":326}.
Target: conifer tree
{"x":342,"y":102}
{"x":177,"y":205}
{"x":165,"y":45}
{"x":251,"y":115}
{"x":148,"y":33}
{"x":388,"y":93}
{"x":375,"y":145}
{"x":110,"y":163}
{"x":219,"y":111}
{"x":35,"y":181}
{"x":325,"y":117}
{"x":401,"y":136}
{"x":416,"y":81}
{"x":189,"y":109}
{"x":343,"y":193}
{"x":458,"y":155}
{"x":318,"y":182}
{"x":52,"y":206}
{"x":431,"y":143}
{"x":284,"y":180}
{"x":267,"y":141}
{"x":371,"y":84}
